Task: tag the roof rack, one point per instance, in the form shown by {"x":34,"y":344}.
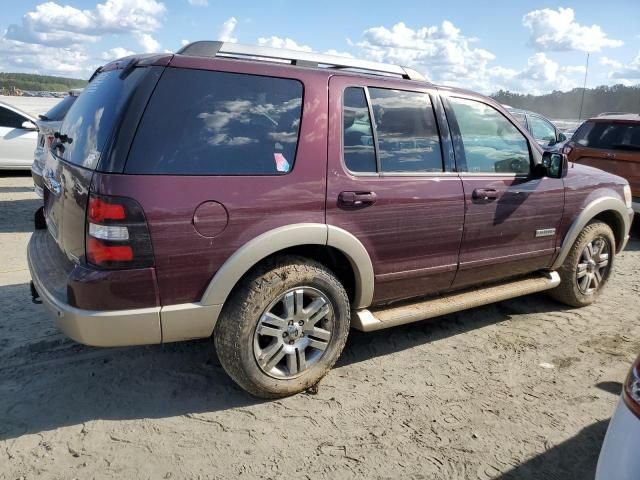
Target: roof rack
{"x":210,"y":48}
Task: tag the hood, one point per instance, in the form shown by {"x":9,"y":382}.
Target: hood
{"x":592,"y":175}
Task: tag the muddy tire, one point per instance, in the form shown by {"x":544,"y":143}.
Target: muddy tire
{"x":586,"y":269}
{"x":283,"y":328}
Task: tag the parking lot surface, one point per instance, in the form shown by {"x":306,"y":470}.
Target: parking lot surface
{"x":522,"y":389}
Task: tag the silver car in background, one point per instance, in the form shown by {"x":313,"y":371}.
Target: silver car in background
{"x":17,"y":138}
{"x":48,"y":125}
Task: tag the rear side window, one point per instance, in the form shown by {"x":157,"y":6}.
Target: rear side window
{"x":622,"y":136}
{"x":491,"y":143}
{"x":10,"y":119}
{"x":60,"y":109}
{"x":408,"y":138}
{"x":217,"y":123}
{"x":359,"y":152}
{"x":92,"y":117}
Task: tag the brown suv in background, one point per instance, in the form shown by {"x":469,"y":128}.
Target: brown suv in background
{"x":610,"y":142}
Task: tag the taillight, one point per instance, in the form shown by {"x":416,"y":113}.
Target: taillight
{"x":566,"y":149}
{"x":50,"y":139}
{"x":631,"y":391}
{"x":117,"y":233}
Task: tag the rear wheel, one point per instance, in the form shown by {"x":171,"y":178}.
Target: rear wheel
{"x":283,"y":328}
{"x":586,"y":269}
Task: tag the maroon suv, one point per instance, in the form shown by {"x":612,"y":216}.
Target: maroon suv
{"x":275,"y":199}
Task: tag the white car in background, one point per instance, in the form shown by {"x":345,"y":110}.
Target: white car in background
{"x":48,"y":125}
{"x":619,"y":458}
{"x":18,"y":137}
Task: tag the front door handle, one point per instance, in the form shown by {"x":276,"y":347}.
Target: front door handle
{"x":484,"y":194}
{"x":356,"y":199}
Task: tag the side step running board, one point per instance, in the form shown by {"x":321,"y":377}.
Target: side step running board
{"x":377,"y":319}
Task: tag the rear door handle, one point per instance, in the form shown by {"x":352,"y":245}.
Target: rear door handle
{"x":356,"y":199}
{"x":484,"y":194}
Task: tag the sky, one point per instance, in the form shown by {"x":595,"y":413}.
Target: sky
{"x":525,"y":46}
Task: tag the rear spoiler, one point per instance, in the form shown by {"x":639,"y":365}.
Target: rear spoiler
{"x":127,"y":64}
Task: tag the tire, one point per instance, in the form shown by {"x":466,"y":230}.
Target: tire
{"x":570,"y":290}
{"x":246,"y":338}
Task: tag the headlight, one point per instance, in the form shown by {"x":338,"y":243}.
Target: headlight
{"x":627,"y":195}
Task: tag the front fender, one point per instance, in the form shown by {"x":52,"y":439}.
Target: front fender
{"x":588,"y":213}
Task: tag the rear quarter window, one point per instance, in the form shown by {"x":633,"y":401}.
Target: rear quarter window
{"x":91,"y":119}
{"x":217,"y":123}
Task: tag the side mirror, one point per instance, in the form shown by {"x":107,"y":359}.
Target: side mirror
{"x":28,"y":125}
{"x":554,"y":165}
{"x":561,"y":137}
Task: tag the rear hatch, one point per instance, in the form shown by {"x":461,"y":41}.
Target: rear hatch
{"x":86,"y":137}
{"x":610,"y":145}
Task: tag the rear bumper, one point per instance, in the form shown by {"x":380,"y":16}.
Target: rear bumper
{"x":137,"y":326}
{"x":111,"y":328}
{"x":619,"y":457}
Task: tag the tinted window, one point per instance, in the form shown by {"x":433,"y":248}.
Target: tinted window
{"x":217,"y":123}
{"x":359,"y":152}
{"x":90,"y":120}
{"x":492,"y":144}
{"x":625,"y":136}
{"x":542,"y":130}
{"x":406,"y":128}
{"x":60,"y":109}
{"x":10,"y":119}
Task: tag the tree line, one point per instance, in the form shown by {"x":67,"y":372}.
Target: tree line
{"x":28,"y":81}
{"x":566,"y":105}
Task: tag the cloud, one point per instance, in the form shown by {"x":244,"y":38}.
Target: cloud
{"x":56,"y":25}
{"x":441,"y":52}
{"x":115,"y":53}
{"x":23,"y":57}
{"x":609,"y":62}
{"x":338,"y":53}
{"x":199,"y":3}
{"x":540,"y":75}
{"x":147,"y":43}
{"x":226,"y":32}
{"x":557,"y":30}
{"x":278,"y":42}
{"x":629,"y":74}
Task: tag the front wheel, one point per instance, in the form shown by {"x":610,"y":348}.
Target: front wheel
{"x":586,"y":269}
{"x":284,"y":328}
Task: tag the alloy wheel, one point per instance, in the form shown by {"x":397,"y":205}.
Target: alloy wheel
{"x":593,"y":265}
{"x":293,"y":332}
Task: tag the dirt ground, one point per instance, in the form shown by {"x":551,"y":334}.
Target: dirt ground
{"x":518,"y":390}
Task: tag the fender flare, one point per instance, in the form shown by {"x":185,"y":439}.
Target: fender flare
{"x":586,"y":215}
{"x":289,"y":236}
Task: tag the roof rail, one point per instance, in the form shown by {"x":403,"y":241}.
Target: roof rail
{"x":210,"y":48}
